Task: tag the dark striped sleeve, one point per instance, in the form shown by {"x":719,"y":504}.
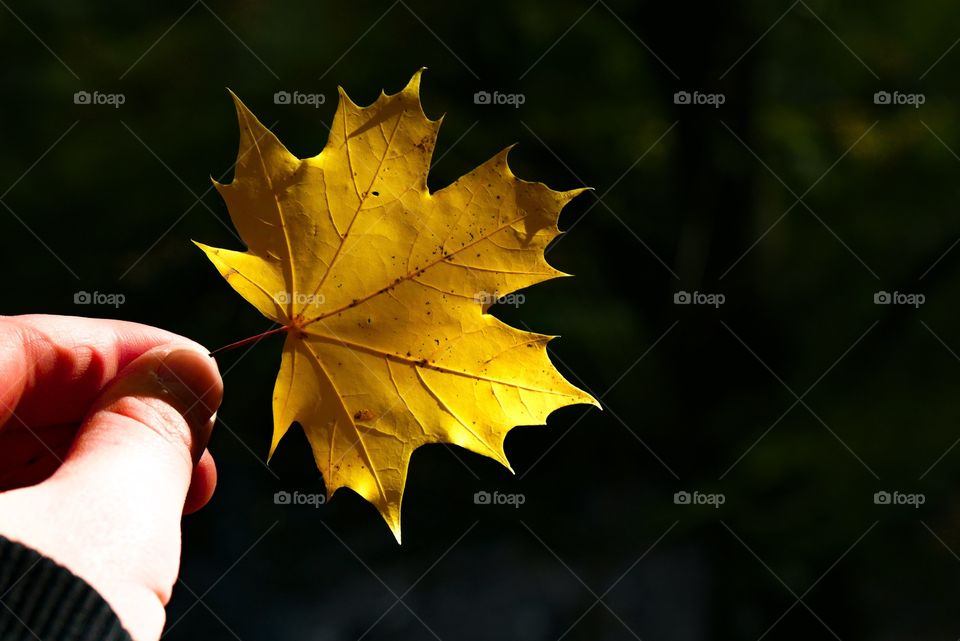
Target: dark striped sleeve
{"x":40,"y":599}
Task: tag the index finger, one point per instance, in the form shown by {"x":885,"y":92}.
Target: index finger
{"x":53,"y":367}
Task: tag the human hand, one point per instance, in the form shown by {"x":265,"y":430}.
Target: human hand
{"x":103,"y":433}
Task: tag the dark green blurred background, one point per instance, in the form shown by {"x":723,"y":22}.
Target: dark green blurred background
{"x":697,"y":398}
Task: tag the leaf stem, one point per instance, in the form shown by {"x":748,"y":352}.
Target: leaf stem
{"x":251,"y":339}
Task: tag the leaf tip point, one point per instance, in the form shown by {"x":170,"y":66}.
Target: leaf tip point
{"x":274,"y":443}
{"x":570,"y":194}
{"x":414,"y":84}
{"x":395,"y":530}
{"x":233,"y":95}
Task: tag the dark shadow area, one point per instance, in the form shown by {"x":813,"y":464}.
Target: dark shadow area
{"x":775,"y":185}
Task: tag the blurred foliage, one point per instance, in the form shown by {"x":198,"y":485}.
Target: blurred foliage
{"x":118,"y":199}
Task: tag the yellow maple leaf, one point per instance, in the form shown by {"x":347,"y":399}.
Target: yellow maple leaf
{"x":383,"y":290}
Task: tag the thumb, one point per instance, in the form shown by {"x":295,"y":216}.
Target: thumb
{"x":139,"y":444}
{"x":125,"y":481}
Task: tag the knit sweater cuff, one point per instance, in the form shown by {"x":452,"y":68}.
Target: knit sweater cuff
{"x":40,"y":599}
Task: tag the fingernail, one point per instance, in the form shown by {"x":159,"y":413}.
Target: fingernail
{"x":194,"y":385}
